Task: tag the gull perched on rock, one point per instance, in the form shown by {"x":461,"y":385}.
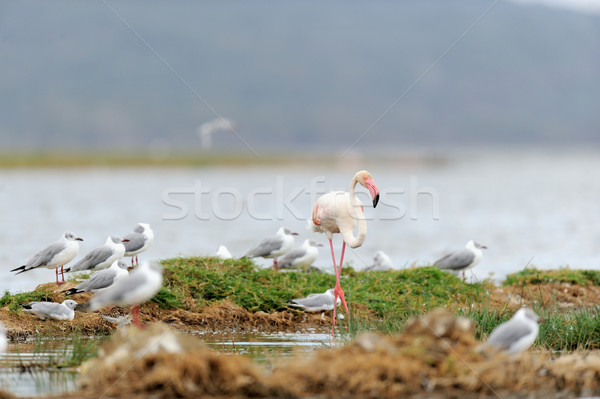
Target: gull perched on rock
{"x":138,"y":241}
{"x":140,"y":286}
{"x":316,"y":302}
{"x":517,"y":334}
{"x":381,"y":262}
{"x":52,"y":310}
{"x":102,"y":279}
{"x":462,"y":259}
{"x":274,"y":246}
{"x":101,"y":257}
{"x":55,"y":255}
{"x":300,"y":257}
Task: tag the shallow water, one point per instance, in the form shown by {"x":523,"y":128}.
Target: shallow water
{"x":527,"y":208}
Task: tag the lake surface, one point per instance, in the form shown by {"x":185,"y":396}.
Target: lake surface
{"x":540,"y":208}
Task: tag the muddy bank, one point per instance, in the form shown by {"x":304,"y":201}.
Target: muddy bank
{"x":224,"y":317}
{"x":436,"y":356}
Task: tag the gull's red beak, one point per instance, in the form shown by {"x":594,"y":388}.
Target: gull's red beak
{"x":373,"y":190}
{"x":125,"y":240}
{"x":79,"y":239}
{"x":294,"y":234}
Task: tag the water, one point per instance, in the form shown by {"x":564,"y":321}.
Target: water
{"x":539,"y":208}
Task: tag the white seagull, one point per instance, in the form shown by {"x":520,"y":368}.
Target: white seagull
{"x":140,"y":286}
{"x":3,"y":339}
{"x":316,"y":302}
{"x":138,"y":241}
{"x":223,"y":253}
{"x":517,"y":334}
{"x":274,"y":246}
{"x":101,"y":257}
{"x":55,"y":255}
{"x":381,"y":262}
{"x":52,"y":310}
{"x":300,"y":257}
{"x":462,"y":259}
{"x":102,"y":279}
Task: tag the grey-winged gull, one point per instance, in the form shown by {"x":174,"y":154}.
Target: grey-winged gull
{"x":462,"y":259}
{"x":101,"y":257}
{"x":140,"y":286}
{"x":52,"y":310}
{"x":119,"y":321}
{"x":316,"y":302}
{"x":517,"y":334}
{"x":300,"y":257}
{"x":138,"y":241}
{"x":381,"y":262}
{"x":223,"y":253}
{"x":101,"y":280}
{"x":55,"y":255}
{"x":274,"y":246}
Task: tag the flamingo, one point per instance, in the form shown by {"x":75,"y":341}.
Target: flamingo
{"x":341,"y":212}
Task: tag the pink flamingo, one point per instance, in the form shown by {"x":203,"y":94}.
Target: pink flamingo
{"x":341,"y":212}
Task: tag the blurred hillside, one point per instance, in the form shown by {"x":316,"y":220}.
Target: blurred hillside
{"x":296,"y":75}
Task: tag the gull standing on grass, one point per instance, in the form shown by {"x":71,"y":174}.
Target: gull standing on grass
{"x":517,"y":334}
{"x":316,"y":302}
{"x":138,"y":241}
{"x":223,"y":253}
{"x":381,"y":263}
{"x":300,"y":257}
{"x":274,"y":246}
{"x":52,"y":310}
{"x":101,"y":257}
{"x":133,"y":290}
{"x":101,"y":280}
{"x":55,"y":255}
{"x":462,"y":259}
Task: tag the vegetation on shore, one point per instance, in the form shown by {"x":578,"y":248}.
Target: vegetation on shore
{"x":381,"y":301}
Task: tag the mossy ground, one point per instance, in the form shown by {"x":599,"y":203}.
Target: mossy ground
{"x":208,"y":293}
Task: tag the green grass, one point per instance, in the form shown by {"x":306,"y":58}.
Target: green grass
{"x":14,"y":301}
{"x":563,"y":275}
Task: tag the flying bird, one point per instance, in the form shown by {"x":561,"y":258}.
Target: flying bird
{"x":300,"y":257}
{"x":101,"y":257}
{"x":138,"y":241}
{"x":101,"y":280}
{"x":132,"y":290}
{"x":52,"y":310}
{"x":462,"y":259}
{"x":381,"y":262}
{"x":274,"y":246}
{"x":316,"y":302}
{"x":340,"y":212}
{"x":55,"y":255}
{"x":517,"y":334}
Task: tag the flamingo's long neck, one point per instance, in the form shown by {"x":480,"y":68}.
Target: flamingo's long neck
{"x":357,"y":213}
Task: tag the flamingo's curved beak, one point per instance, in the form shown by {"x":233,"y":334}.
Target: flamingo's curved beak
{"x":373,"y":190}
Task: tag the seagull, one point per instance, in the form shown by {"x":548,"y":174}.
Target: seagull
{"x":55,"y":255}
{"x":274,"y":246}
{"x":101,"y":280}
{"x":300,"y":257}
{"x":3,"y":339}
{"x":138,"y":241}
{"x":462,"y":259}
{"x":52,"y":310}
{"x":140,"y":286}
{"x":517,"y":334}
{"x":101,"y":257}
{"x":223,"y":253}
{"x":381,"y":262}
{"x":316,"y":302}
{"x":341,"y":212}
{"x":117,"y":321}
